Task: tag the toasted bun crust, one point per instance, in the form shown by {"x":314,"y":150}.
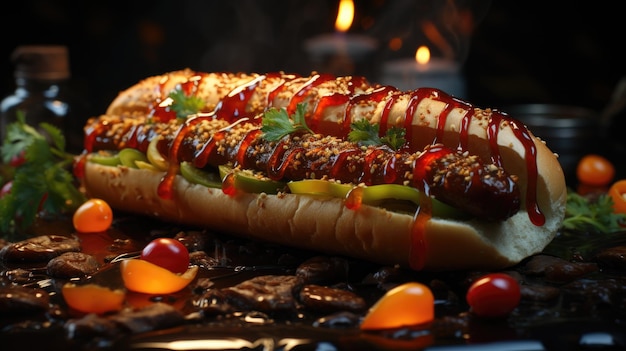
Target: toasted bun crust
{"x":320,"y":224}
{"x":326,"y":224}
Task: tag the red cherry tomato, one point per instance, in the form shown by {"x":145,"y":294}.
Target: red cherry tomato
{"x":18,"y":160}
{"x":95,"y":215}
{"x":168,"y":253}
{"x":595,"y":170}
{"x":494,"y":295}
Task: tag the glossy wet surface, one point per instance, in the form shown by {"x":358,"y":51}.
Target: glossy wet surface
{"x":573,"y":297}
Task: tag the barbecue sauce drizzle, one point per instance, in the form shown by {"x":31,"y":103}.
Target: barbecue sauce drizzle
{"x":232,"y":109}
{"x":233,"y":106}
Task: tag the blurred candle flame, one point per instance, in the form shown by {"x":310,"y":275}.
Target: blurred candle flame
{"x":422,"y":55}
{"x":345,"y":15}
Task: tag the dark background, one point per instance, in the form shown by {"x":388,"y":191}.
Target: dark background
{"x":512,"y":51}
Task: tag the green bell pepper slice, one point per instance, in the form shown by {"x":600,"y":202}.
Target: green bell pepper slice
{"x":319,"y":187}
{"x":372,"y":195}
{"x":129,"y":157}
{"x":105,"y":159}
{"x":198,"y":176}
{"x":246,"y":181}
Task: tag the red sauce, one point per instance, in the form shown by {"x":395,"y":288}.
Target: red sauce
{"x":78,"y":168}
{"x":228,"y":184}
{"x":390,"y":172}
{"x":160,"y":110}
{"x":493,"y":127}
{"x":522,"y":134}
{"x":354,"y":198}
{"x":271,"y":96}
{"x":416,"y":97}
{"x":339,"y":164}
{"x":356,"y":82}
{"x":464,"y":128}
{"x":366,"y":177}
{"x":418,"y":252}
{"x":441,"y":122}
{"x":492,"y":135}
{"x":375,"y":96}
{"x":335,"y":99}
{"x":421,"y":165}
{"x":384,"y":118}
{"x":90,"y":137}
{"x":132,"y":137}
{"x":165,"y":187}
{"x":299,"y":96}
{"x":280,"y":158}
{"x":233,"y":106}
{"x":245,"y":144}
{"x":201,"y":158}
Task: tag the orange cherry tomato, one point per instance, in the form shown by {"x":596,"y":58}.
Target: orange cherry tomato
{"x":93,"y":216}
{"x":617,"y":192}
{"x":92,"y":298}
{"x":595,"y":170}
{"x":148,"y":278}
{"x":405,"y":305}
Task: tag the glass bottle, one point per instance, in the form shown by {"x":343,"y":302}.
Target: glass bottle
{"x":42,"y":93}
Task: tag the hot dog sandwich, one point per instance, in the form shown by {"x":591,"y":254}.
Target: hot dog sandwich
{"x":333,"y":164}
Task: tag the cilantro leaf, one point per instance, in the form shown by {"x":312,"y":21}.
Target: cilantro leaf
{"x":185,"y":105}
{"x":276,"y":123}
{"x":365,"y":133}
{"x":394,"y":137}
{"x":43,"y":181}
{"x":18,"y":137}
{"x":597,"y":215}
{"x":54,"y":136}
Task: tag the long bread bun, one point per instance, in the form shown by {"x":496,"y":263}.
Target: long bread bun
{"x":326,"y":225}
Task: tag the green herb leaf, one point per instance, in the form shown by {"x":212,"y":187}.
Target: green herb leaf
{"x":365,"y":133}
{"x":43,"y":182}
{"x":185,"y":105}
{"x":583,"y":214}
{"x":19,"y":136}
{"x":276,"y":123}
{"x":394,"y":137}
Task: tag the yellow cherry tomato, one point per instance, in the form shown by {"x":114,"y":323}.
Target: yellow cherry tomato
{"x":92,"y":298}
{"x":617,"y":192}
{"x":95,"y":215}
{"x":405,"y":305}
{"x":148,"y":278}
{"x":595,"y":170}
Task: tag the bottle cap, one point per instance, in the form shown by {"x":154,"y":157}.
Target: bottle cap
{"x":41,"y":62}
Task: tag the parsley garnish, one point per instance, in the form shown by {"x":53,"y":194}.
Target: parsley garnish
{"x":185,"y":105}
{"x":596,"y":215}
{"x":42,"y":182}
{"x":365,"y":133}
{"x":276,"y":123}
